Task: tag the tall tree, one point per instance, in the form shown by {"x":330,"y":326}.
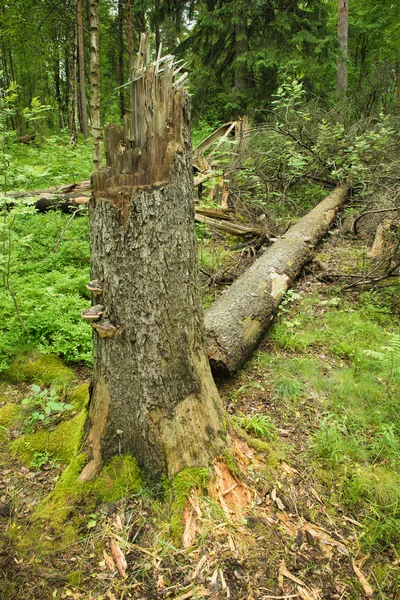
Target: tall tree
{"x":74,"y":86}
{"x":121,"y":52}
{"x":343,"y":36}
{"x":95,"y":81}
{"x":81,"y":70}
{"x":152,"y":393}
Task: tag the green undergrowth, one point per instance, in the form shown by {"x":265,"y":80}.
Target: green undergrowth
{"x":68,"y":505}
{"x":49,"y":284}
{"x":55,"y":162}
{"x":337,"y":362}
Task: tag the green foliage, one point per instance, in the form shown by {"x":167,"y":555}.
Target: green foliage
{"x":44,"y":406}
{"x":388,"y":357}
{"x":56,"y":162}
{"x":50,"y":287}
{"x":259,"y":425}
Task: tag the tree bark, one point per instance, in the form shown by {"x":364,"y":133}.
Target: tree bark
{"x":237,"y":321}
{"x":129,"y":35}
{"x":343,"y":31}
{"x":152,"y":393}
{"x":81,"y":70}
{"x":95,"y":81}
{"x":74,"y":87}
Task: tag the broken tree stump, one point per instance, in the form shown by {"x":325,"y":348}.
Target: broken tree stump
{"x":237,"y":321}
{"x":152,"y":393}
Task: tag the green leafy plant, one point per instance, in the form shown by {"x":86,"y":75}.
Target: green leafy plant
{"x":44,"y":406}
{"x":40,"y":459}
{"x":388,"y":357}
{"x":259,"y":425}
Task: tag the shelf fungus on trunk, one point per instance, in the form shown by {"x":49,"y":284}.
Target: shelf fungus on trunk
{"x":95,"y":287}
{"x":93,"y":313}
{"x":106,"y":329}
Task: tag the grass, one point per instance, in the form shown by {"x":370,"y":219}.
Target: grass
{"x":345,"y":357}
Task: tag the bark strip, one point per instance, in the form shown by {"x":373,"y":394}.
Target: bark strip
{"x":237,"y":321}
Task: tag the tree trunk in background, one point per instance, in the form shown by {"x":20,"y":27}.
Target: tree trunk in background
{"x":74,"y":87}
{"x":129,"y":32}
{"x":343,"y":31}
{"x":152,"y":393}
{"x":241,"y":72}
{"x":238,"y":320}
{"x":121,"y":48}
{"x":81,"y":63}
{"x":95,"y":81}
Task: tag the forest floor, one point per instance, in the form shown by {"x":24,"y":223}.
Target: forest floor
{"x":319,"y":445}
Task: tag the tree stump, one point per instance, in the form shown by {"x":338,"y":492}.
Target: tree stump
{"x":152,"y":393}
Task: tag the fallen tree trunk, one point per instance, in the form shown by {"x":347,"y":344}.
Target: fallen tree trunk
{"x":237,"y":321}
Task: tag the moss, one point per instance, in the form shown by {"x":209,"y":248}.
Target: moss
{"x":230,"y":461}
{"x":74,"y":578}
{"x":8,"y":414}
{"x":274,"y":454}
{"x":44,"y":369}
{"x":62,"y":443}
{"x":119,"y":478}
{"x":79,"y":396}
{"x":180,"y":487}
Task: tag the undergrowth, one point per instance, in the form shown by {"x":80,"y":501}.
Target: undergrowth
{"x":343,"y":357}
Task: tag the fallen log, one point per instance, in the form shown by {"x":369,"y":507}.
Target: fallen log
{"x":237,"y":321}
{"x":229,"y":227}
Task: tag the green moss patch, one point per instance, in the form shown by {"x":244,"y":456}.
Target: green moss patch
{"x":44,"y":369}
{"x":181,"y":486}
{"x":62,"y":443}
{"x":79,"y":396}
{"x":121,"y":477}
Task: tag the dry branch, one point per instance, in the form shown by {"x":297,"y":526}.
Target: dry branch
{"x":237,"y":321}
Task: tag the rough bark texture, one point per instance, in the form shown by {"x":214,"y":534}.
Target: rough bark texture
{"x":152,"y":392}
{"x":237,"y":321}
{"x":343,"y":30}
{"x":95,"y":81}
{"x":81,"y":70}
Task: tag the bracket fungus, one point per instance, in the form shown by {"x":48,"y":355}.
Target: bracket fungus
{"x":105,"y":329}
{"x":93,"y":313}
{"x":95,"y":287}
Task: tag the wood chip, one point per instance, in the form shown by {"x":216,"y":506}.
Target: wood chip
{"x":193,"y":594}
{"x":368,"y":591}
{"x":350,"y":520}
{"x":199,"y":566}
{"x":109,"y":561}
{"x":119,"y":558}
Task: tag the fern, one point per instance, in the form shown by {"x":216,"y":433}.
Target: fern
{"x":388,"y":357}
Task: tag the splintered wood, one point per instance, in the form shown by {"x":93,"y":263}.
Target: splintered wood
{"x":141,"y":153}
